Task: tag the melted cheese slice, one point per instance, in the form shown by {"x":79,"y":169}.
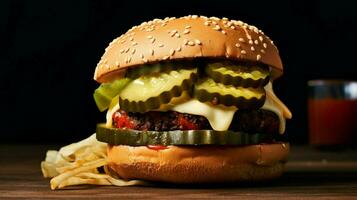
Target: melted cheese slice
{"x":273,"y":103}
{"x":220,"y":117}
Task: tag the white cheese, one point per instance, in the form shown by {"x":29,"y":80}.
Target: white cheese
{"x":220,"y":117}
{"x":274,"y":104}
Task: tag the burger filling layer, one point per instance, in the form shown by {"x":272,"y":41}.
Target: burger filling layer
{"x":221,"y":96}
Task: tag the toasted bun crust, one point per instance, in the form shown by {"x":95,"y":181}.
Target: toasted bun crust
{"x":199,"y":164}
{"x":185,"y":38}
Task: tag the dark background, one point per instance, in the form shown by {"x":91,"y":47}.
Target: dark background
{"x":49,"y":50}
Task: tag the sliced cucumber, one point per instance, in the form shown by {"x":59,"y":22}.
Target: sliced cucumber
{"x":238,"y":75}
{"x":148,"y":92}
{"x":207,"y":90}
{"x":115,"y":136}
{"x":104,"y":94}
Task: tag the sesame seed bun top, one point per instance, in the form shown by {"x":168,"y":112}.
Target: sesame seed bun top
{"x":186,"y":38}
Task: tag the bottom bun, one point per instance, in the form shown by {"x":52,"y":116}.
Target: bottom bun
{"x":199,"y":164}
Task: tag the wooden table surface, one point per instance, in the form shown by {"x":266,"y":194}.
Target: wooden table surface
{"x":310,"y":174}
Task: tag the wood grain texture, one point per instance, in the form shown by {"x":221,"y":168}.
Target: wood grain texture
{"x":310,"y":175}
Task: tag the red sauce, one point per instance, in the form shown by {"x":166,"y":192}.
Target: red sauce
{"x":122,"y":121}
{"x":332,"y":121}
{"x":185,"y":124}
{"x":157,"y":147}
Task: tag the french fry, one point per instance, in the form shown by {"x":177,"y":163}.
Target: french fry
{"x":78,"y":163}
{"x":56,"y":181}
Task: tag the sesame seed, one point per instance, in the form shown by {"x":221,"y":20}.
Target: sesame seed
{"x":214,"y":18}
{"x":152,"y":40}
{"x":185,"y":41}
{"x":243,"y":52}
{"x":250,"y":41}
{"x":198,"y":42}
{"x":187,"y":27}
{"x":256,"y":42}
{"x":107,"y":66}
{"x":129,"y":59}
{"x":177,"y":35}
{"x":241,"y":40}
{"x":207,"y":23}
{"x":240,"y":23}
{"x":172,"y":52}
{"x":134,"y":43}
{"x":186,"y":31}
{"x":122,"y":50}
{"x":127,"y":50}
{"x":142,"y":55}
{"x":131,"y":39}
{"x":261,"y":38}
{"x":214,"y":22}
{"x":262,"y":50}
{"x":252,"y":48}
{"x":259,"y":57}
{"x":149,"y":36}
{"x":217,"y":28}
{"x":265,"y":45}
{"x":116,"y":63}
{"x":144,"y":60}
{"x":224,"y":32}
{"x":272,"y":42}
{"x":191,"y":43}
{"x":237,"y":45}
{"x":152,"y":52}
{"x":178,"y":49}
{"x":161,"y":45}
{"x":233,"y":27}
{"x":133,"y":51}
{"x":249,"y":37}
{"x":194,"y":16}
{"x":165,"y":57}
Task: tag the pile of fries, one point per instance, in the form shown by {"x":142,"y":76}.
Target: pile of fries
{"x":79,"y":163}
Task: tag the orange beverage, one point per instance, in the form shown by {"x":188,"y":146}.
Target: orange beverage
{"x":332,"y":112}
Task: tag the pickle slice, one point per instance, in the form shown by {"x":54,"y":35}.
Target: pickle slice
{"x":115,"y":136}
{"x":134,"y":73}
{"x":148,"y":69}
{"x":104,"y":94}
{"x":238,"y":75}
{"x":148,"y":92}
{"x":207,"y":90}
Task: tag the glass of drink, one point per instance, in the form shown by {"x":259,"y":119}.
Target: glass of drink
{"x":332,"y":112}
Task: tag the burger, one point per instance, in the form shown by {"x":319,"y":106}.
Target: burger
{"x":190,"y":100}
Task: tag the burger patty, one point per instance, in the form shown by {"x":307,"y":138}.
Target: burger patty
{"x":252,"y":121}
